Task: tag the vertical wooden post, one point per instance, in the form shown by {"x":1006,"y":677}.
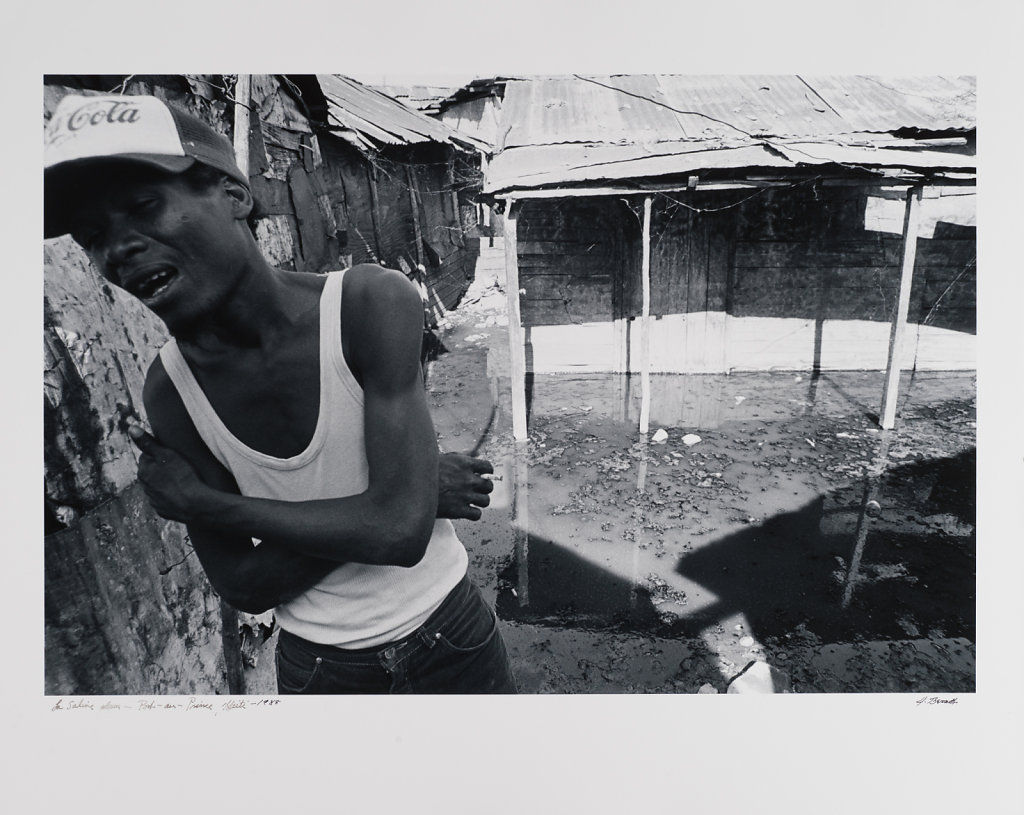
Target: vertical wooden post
{"x":452,"y":194}
{"x":414,"y":202}
{"x":243,"y":95}
{"x":516,"y":346}
{"x":371,"y":173}
{"x":911,"y":222}
{"x":231,"y":638}
{"x":645,"y":323}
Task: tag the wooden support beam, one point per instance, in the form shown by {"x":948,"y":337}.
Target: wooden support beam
{"x":911,"y":223}
{"x":371,"y":174}
{"x":231,"y":638}
{"x":516,"y":344}
{"x":452,"y":194}
{"x":243,"y":94}
{"x":414,"y":203}
{"x":645,"y":323}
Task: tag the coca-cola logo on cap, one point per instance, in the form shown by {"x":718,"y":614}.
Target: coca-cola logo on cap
{"x":97,"y":113}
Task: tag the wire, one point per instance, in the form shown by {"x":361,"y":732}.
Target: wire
{"x":666,"y":105}
{"x":970,"y":265}
{"x":780,"y":146}
{"x":761,"y":191}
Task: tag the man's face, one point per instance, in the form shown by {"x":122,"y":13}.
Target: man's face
{"x":176,"y":248}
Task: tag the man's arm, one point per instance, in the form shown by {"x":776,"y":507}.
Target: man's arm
{"x":392,"y":521}
{"x":251,"y":578}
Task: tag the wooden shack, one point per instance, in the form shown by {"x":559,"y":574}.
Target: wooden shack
{"x":715,"y":224}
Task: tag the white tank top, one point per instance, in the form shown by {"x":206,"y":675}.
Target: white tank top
{"x":357,"y":605}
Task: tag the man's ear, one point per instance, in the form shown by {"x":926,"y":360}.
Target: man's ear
{"x":240,"y":196}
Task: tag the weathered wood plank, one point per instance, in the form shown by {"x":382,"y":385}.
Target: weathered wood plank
{"x":516,"y":339}
{"x":645,"y":324}
{"x":899,"y":323}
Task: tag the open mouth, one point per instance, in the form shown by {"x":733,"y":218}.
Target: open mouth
{"x":152,"y":285}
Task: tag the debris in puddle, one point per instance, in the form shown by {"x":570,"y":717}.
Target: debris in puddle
{"x":691,"y":439}
{"x":597,"y":489}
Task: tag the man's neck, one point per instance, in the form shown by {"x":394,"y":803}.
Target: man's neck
{"x":264,"y":303}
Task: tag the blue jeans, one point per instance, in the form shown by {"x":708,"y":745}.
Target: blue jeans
{"x":457,"y":650}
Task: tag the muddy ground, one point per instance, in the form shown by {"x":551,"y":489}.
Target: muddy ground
{"x":775,"y":523}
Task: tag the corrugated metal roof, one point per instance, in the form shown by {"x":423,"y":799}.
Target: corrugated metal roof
{"x":377,"y":119}
{"x":554,"y":110}
{"x":880,"y":104}
{"x":663,"y":118}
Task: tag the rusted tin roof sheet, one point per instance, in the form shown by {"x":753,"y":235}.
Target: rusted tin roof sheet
{"x":569,"y":163}
{"x":376,"y":119}
{"x":635,"y":126}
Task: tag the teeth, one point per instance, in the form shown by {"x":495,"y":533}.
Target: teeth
{"x":151,"y":285}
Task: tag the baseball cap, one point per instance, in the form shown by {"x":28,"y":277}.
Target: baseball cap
{"x":143,"y":129}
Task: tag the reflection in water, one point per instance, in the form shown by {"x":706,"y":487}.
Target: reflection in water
{"x":707,"y":401}
{"x":675,"y":548}
{"x":872,"y":492}
{"x":521,"y":523}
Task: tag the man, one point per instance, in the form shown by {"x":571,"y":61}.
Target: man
{"x":291,"y":429}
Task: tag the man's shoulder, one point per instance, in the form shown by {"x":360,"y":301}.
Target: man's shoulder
{"x":373,"y":276}
{"x":377,"y":288}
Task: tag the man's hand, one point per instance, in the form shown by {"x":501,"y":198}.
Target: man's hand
{"x":171,"y":483}
{"x":462,"y":489}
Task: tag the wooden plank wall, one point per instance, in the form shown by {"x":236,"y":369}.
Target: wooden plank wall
{"x":788,"y":278}
{"x":570,"y":255}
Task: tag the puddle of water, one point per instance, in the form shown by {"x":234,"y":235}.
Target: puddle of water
{"x":795,"y":531}
{"x":707,"y":401}
{"x":783,"y":516}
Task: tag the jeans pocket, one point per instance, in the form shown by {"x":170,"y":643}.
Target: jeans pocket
{"x":474,"y":637}
{"x":296,"y":673}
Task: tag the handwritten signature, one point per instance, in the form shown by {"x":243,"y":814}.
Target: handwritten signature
{"x":936,"y":700}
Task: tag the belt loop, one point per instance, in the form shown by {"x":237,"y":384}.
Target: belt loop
{"x":430,"y":640}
